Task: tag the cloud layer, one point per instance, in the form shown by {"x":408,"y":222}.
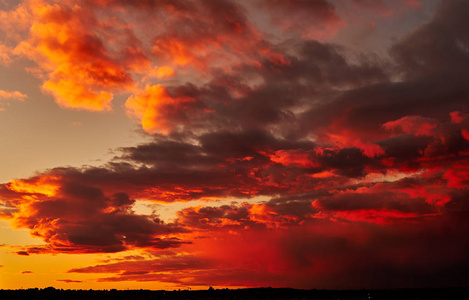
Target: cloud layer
{"x":361,"y":161}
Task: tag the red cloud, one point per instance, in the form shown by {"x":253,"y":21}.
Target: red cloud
{"x":318,"y":250}
{"x":293,"y":157}
{"x":456,"y":117}
{"x":416,"y":125}
{"x":380,"y":217}
{"x":458,"y":176}
{"x":465,"y":134}
{"x":370,"y":150}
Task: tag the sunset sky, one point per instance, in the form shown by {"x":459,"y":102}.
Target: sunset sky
{"x":172,"y":144}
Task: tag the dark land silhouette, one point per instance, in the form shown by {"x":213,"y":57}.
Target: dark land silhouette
{"x":244,"y":294}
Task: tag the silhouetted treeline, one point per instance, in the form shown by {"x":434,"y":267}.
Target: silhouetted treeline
{"x":241,"y":294}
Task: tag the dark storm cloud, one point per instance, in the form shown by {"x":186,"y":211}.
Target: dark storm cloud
{"x":432,"y":84}
{"x":80,"y":218}
{"x":439,"y":48}
{"x":90,"y":210}
{"x":419,"y":254}
{"x":311,"y":74}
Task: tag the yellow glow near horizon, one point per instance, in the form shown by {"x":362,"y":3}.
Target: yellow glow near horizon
{"x":16,"y":237}
{"x":44,"y":270}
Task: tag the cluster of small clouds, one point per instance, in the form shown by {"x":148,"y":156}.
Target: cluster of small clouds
{"x":6,"y":96}
{"x":366,"y":175}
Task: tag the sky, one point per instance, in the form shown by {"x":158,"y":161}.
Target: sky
{"x":161,"y":144}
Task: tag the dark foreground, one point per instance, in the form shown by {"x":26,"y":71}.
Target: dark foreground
{"x":257,"y":293}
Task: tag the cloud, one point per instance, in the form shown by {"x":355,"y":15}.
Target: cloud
{"x":164,"y":263}
{"x":318,"y":251}
{"x":73,"y":209}
{"x":340,"y":167}
{"x":69,"y":281}
{"x":456,"y":117}
{"x":445,"y":30}
{"x":232,"y":100}
{"x":413,"y":125}
{"x":312,"y":19}
{"x":4,"y":55}
{"x":158,"y":110}
{"x":79,"y":70}
{"x":88,"y":51}
{"x":15,"y":95}
{"x":81,"y":219}
{"x":433,"y":80}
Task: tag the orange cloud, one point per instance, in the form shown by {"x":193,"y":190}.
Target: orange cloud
{"x":416,"y":125}
{"x":80,"y":71}
{"x":12,"y":95}
{"x":162,"y":72}
{"x":4,"y":55}
{"x":5,"y":96}
{"x":72,"y":95}
{"x":45,"y":185}
{"x":261,"y":213}
{"x":16,"y":21}
{"x":86,"y":55}
{"x":178,"y":51}
{"x":154,"y":107}
{"x":192,"y":40}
